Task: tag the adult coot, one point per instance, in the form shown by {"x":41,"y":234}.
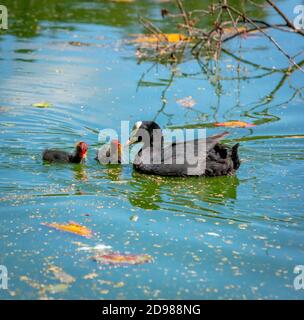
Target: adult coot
{"x":179,"y":159}
{"x":53,"y":155}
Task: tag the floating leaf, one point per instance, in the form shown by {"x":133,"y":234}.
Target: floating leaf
{"x":104,"y":291}
{"x":60,"y":275}
{"x":162,"y":37}
{"x":90,"y":276}
{"x":79,"y":44}
{"x":187,"y":102}
{"x":56,"y":288}
{"x":42,"y":104}
{"x":119,"y":284}
{"x":30,"y":282}
{"x":122,"y":259}
{"x":42,"y":289}
{"x":234,"y":124}
{"x":72,"y":227}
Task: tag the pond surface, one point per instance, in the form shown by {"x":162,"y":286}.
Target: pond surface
{"x":210,"y":238}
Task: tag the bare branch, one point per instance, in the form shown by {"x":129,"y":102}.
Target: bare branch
{"x":268,"y":36}
{"x":288,"y":22}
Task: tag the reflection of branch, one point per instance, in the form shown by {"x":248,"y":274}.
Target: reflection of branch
{"x":247,"y":31}
{"x":184,"y":14}
{"x":143,"y":75}
{"x":258,"y":66}
{"x":163,"y":95}
{"x":267,"y":36}
{"x":268,"y":98}
{"x":288,"y":22}
{"x":202,"y":39}
{"x":225,"y":17}
{"x":153,"y":29}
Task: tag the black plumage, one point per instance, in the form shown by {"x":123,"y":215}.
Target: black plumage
{"x":174,"y":160}
{"x":54,"y":155}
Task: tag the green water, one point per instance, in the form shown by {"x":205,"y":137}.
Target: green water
{"x":227,"y":237}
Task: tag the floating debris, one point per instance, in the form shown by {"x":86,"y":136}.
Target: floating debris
{"x":43,"y":289}
{"x":79,"y":44}
{"x":60,"y":275}
{"x":99,"y":248}
{"x":213,"y":234}
{"x":187,"y":102}
{"x":56,"y":288}
{"x":71,"y":227}
{"x":42,"y":104}
{"x":30,"y":282}
{"x":234,"y":124}
{"x":134,"y":218}
{"x":119,"y":284}
{"x":122,"y":259}
{"x":90,"y":276}
{"x":104,"y":291}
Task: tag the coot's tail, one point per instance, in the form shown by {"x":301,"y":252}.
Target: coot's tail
{"x":235,"y":157}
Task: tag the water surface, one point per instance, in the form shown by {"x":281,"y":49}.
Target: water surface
{"x":227,"y":237}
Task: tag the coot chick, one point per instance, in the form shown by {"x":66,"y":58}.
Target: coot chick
{"x":110,"y":153}
{"x":220,"y":159}
{"x":53,"y":155}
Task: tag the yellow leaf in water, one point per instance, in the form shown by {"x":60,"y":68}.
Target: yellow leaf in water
{"x":72,"y":227}
{"x":42,"y":104}
{"x":234,"y":124}
{"x":162,"y":37}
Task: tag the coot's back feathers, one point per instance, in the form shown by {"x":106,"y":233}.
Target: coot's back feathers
{"x":222,"y":160}
{"x":53,"y":155}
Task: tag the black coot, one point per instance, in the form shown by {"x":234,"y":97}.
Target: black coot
{"x":220,"y":159}
{"x":53,"y":155}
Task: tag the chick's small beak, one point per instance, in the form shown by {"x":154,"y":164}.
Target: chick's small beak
{"x":119,"y":146}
